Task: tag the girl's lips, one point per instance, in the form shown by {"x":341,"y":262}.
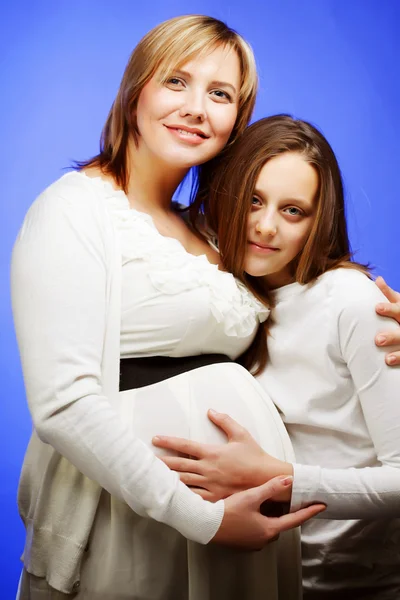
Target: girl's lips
{"x":263,"y":249}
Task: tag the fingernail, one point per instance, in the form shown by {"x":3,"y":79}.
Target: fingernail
{"x":391,"y":359}
{"x":156,"y":439}
{"x":380,"y":307}
{"x":381,"y":339}
{"x":212,"y":412}
{"x":287,"y":480}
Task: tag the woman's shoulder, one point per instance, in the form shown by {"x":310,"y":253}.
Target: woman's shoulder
{"x":72,"y":193}
{"x":72,"y":198}
{"x":75,"y":187}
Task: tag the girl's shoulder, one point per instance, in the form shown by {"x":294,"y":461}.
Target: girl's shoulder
{"x":344,"y":278}
{"x":351,"y":291}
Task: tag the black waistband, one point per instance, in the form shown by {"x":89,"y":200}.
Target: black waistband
{"x":139,"y":372}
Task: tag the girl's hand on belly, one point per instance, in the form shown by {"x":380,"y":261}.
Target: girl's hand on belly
{"x":218,"y":471}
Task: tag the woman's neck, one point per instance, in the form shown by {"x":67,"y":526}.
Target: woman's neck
{"x":151,"y":183}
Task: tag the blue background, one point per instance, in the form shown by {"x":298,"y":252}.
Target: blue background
{"x":333,"y":62}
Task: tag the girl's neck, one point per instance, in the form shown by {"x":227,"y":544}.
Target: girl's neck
{"x":279,"y":280}
{"x":152,"y":183}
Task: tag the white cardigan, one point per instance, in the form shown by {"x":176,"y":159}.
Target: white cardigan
{"x":68,"y":239}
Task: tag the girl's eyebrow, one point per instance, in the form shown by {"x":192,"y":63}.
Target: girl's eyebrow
{"x":301,"y":201}
{"x":217,"y":83}
{"x":259,"y":193}
{"x":304,"y":203}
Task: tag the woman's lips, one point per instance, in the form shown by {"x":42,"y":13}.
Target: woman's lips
{"x":190,"y":137}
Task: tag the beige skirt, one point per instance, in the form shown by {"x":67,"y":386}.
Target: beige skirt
{"x":133,"y":558}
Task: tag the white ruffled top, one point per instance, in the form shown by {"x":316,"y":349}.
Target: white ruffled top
{"x":175,"y":303}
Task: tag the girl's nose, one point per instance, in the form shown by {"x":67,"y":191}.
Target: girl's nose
{"x":266,"y":226}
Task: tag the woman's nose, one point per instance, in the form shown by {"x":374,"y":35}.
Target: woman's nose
{"x":194,"y":106}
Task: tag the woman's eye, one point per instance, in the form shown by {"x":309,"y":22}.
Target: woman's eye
{"x":221,"y":94}
{"x":174,"y":81}
{"x":293,"y":211}
{"x":255,"y":201}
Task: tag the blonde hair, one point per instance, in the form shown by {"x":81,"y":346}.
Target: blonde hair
{"x":166,"y":47}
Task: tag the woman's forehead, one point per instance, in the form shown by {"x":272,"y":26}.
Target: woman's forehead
{"x":216,"y":58}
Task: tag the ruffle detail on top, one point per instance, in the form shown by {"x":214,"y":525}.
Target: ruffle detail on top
{"x":172,"y":270}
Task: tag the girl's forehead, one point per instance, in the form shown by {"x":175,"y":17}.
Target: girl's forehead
{"x":289,"y":173}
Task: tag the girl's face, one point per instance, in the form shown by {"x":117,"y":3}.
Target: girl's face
{"x":188,"y":119}
{"x":281,"y":217}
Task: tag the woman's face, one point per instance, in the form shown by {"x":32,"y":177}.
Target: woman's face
{"x":188,"y":119}
{"x":281,"y":217}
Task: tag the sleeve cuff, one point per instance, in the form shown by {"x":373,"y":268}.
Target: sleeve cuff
{"x":173,"y":503}
{"x":195,"y":518}
{"x":306,"y":481}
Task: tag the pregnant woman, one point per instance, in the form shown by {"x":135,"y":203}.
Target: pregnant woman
{"x":126,"y":325}
{"x":282,"y":189}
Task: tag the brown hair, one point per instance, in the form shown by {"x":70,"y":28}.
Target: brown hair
{"x":232,"y":189}
{"x":169,"y":46}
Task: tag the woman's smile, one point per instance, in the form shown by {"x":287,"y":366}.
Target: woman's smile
{"x":186,"y":119}
{"x":187,"y":134}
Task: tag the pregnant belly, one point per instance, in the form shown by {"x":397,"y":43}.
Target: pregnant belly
{"x":178,"y":407}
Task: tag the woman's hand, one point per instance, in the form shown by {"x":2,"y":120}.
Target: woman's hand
{"x":217,"y":471}
{"x":389,"y":309}
{"x":245,"y":527}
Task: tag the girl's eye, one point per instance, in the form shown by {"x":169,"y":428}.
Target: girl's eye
{"x":255,"y":201}
{"x":293,"y":211}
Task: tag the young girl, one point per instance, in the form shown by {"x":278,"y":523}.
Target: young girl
{"x":287,"y":240}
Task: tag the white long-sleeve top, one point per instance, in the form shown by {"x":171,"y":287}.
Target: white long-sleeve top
{"x":66,"y":293}
{"x":341,"y":405}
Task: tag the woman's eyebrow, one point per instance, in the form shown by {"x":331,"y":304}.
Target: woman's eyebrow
{"x":188,"y":75}
{"x":224,"y":84}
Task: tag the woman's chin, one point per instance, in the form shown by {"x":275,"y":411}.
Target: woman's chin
{"x":186,"y":158}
